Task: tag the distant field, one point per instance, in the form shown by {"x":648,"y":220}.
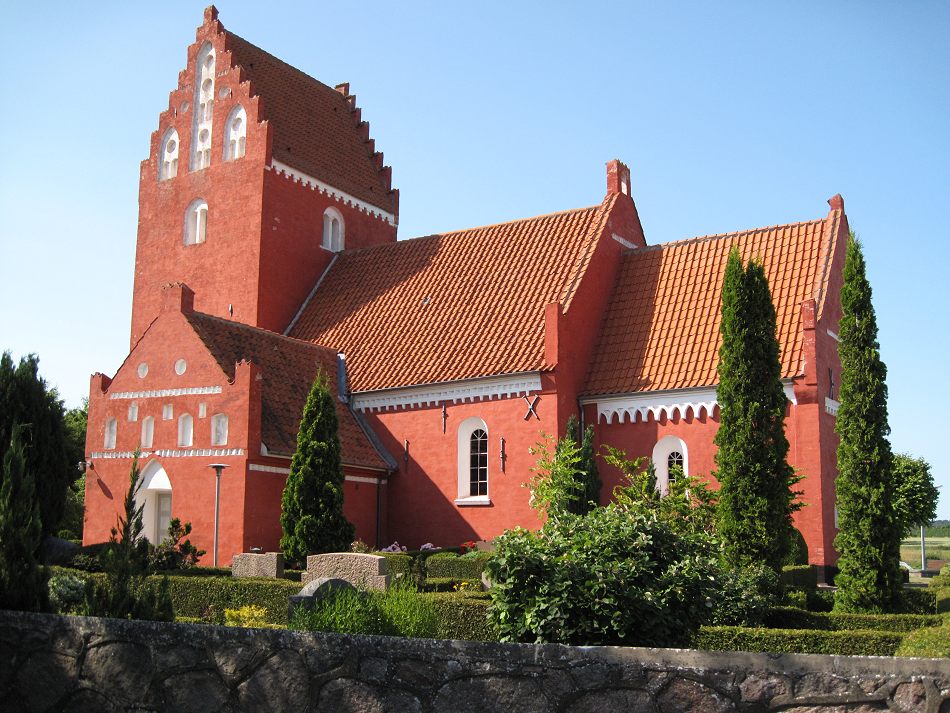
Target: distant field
{"x":938,"y":548}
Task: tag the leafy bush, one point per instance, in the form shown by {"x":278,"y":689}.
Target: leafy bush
{"x":930,"y":643}
{"x":451,"y":584}
{"x":611,"y":576}
{"x":468,"y":566}
{"x":804,"y":641}
{"x":67,"y":592}
{"x":797,"y":598}
{"x":822,"y":600}
{"x":919,"y":601}
{"x":398,"y":562}
{"x":248,"y":615}
{"x":792,"y":618}
{"x":942,"y":601}
{"x":462,"y":616}
{"x":800,"y":576}
{"x":745,"y":596}
{"x":398,"y":611}
{"x":208,"y":597}
{"x":175,"y":551}
{"x":797,"y":549}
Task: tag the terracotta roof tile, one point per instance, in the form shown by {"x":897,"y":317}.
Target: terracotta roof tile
{"x":452,"y":306}
{"x":288,"y":368}
{"x":315,"y":130}
{"x":662,"y":328}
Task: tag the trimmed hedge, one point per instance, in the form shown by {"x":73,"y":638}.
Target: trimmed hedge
{"x":930,"y":643}
{"x":463,"y":615}
{"x":797,"y":641}
{"x":800,"y":576}
{"x":451,"y":584}
{"x":446,"y":565}
{"x":399,"y":563}
{"x":920,"y":601}
{"x":792,"y":618}
{"x":942,"y":600}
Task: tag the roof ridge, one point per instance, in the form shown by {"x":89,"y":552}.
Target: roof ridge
{"x":587,"y":250}
{"x":261,"y":330}
{"x":721,"y":236}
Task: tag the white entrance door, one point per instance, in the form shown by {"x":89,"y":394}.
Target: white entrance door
{"x":163,"y":515}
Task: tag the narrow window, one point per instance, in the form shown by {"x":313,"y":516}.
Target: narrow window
{"x":204,"y":108}
{"x":219,"y":429}
{"x":333,"y":232}
{"x":109,"y":440}
{"x":196,"y":222}
{"x":168,"y":156}
{"x":235,"y":134}
{"x":168,"y":413}
{"x":478,"y":463}
{"x":133,"y":411}
{"x":671,"y":461}
{"x":148,"y":431}
{"x":185,"y":430}
{"x":674,"y":466}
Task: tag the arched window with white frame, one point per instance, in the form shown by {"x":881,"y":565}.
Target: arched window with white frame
{"x":186,"y":430}
{"x":333,"y":230}
{"x":148,"y":432}
{"x":235,"y":134}
{"x":670,"y":458}
{"x":219,"y":429}
{"x":168,"y":156}
{"x":196,"y":222}
{"x":473,"y":472}
{"x":203,"y":108}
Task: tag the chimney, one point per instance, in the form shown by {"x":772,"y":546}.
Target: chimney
{"x":618,"y":178}
{"x":836,"y":202}
{"x":178,"y":297}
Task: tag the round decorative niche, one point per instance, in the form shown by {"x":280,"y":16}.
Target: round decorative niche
{"x":142,"y":370}
{"x":224,"y":93}
{"x":184,"y":107}
{"x":180,"y":366}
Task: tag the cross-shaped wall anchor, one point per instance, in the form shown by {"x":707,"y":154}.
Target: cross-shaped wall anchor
{"x":531,"y":406}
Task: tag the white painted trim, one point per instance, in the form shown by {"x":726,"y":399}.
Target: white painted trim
{"x":479,"y":500}
{"x":363,"y":479}
{"x":626,"y":243}
{"x":662,"y":403}
{"x":157,"y":393}
{"x":171,"y":453}
{"x":832,"y":406}
{"x":286,"y":471}
{"x":326,"y":188}
{"x":834,"y":336}
{"x":469,"y":390}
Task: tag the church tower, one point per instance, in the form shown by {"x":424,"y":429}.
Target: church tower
{"x":257,"y":176}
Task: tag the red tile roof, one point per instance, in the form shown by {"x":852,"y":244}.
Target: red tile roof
{"x":452,"y":306}
{"x":662,"y":328}
{"x":288,"y":368}
{"x":315,"y":128}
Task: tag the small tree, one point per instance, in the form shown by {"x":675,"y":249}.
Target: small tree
{"x":555,"y":484}
{"x":22,"y":579}
{"x":587,"y":496}
{"x":869,"y":529}
{"x":312,"y":516}
{"x":915,"y":494}
{"x":755,"y":498}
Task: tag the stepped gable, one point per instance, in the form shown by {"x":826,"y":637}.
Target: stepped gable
{"x":288,"y":368}
{"x":317,"y":129}
{"x":662,"y":328}
{"x":453,"y":306}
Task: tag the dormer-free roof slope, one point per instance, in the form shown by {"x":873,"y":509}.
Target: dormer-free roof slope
{"x":288,"y":369}
{"x":662,"y":328}
{"x":317,"y":129}
{"x":454,"y":306}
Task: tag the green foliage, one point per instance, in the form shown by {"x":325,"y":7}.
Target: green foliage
{"x":22,"y":579}
{"x":208,"y":597}
{"x":125,"y":592}
{"x":312,"y":506}
{"x":587,"y":496}
{"x":793,"y":618}
{"x":915,"y":494}
{"x":398,"y":611}
{"x":50,"y":455}
{"x":250,"y":615}
{"x":919,"y":601}
{"x":801,"y":641}
{"x":76,"y":422}
{"x":464,"y":567}
{"x":800,"y":576}
{"x":555,"y":484}
{"x":755,"y":495}
{"x":745,"y":596}
{"x":797,"y":549}
{"x":175,"y":551}
{"x":926,"y":643}
{"x":611,"y":576}
{"x":462,"y":616}
{"x":869,"y":529}
{"x":67,"y":593}
{"x":399,"y":564}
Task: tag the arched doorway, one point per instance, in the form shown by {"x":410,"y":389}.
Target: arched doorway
{"x":155,"y":494}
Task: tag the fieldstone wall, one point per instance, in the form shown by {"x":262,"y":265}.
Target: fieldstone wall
{"x":53,"y":663}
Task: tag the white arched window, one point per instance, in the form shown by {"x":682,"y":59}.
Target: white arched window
{"x":472,"y":462}
{"x":109,"y":440}
{"x":203,"y":108}
{"x":333,"y":230}
{"x":148,"y":431}
{"x":669,"y":455}
{"x":235,"y":136}
{"x":168,"y":156}
{"x":196,"y":222}
{"x":219,"y":429}
{"x":186,"y":430}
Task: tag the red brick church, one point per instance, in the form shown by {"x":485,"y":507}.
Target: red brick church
{"x":267,"y":252}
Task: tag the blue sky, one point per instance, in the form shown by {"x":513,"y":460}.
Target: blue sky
{"x":730,"y":116}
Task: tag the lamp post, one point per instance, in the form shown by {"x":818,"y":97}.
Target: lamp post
{"x":218,"y":467}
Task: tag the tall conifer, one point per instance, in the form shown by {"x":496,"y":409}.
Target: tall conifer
{"x":312,"y":510}
{"x":868,"y":540}
{"x":755,"y":499}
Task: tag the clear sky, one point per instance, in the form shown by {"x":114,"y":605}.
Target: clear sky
{"x":730,"y":115}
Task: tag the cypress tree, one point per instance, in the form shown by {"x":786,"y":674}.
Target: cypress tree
{"x":587,"y":496}
{"x":312,"y":507}
{"x":755,"y":499}
{"x":22,"y":579}
{"x":869,"y":535}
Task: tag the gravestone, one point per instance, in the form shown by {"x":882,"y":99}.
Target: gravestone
{"x":362,"y":571}
{"x":248,"y":564}
{"x":314,"y":591}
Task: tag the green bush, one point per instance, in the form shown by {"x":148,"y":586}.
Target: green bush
{"x":797,"y":549}
{"x":797,"y":598}
{"x":917,"y":600}
{"x":463,"y":616}
{"x":745,"y":596}
{"x":398,"y":611}
{"x":452,"y":584}
{"x":928,"y":643}
{"x":800,"y":576}
{"x":802,"y":641}
{"x":611,"y":576}
{"x":67,"y":592}
{"x":208,"y":597}
{"x":942,"y":600}
{"x":399,"y":563}
{"x":792,"y":618}
{"x":459,"y":567}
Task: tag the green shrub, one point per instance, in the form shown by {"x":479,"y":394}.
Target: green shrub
{"x":208,"y":597}
{"x":67,"y":592}
{"x":405,"y":612}
{"x":929,"y":643}
{"x":294,"y":575}
{"x":458,"y":567}
{"x":452,"y":584}
{"x":802,"y":641}
{"x":463,"y":616}
{"x":942,"y":600}
{"x":797,"y":549}
{"x":201,"y":572}
{"x":792,"y":618}
{"x":249,"y":615}
{"x":821,"y":600}
{"x":398,"y":611}
{"x":745,"y":596}
{"x":917,"y":600}
{"x":797,"y":598}
{"x":399,"y":563}
{"x":800,"y":576}
{"x":611,"y":576}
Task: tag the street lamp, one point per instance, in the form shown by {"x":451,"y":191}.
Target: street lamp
{"x":218,"y":467}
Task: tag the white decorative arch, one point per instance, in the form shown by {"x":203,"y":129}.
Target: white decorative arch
{"x":333,"y":230}
{"x":168,"y":156}
{"x":235,"y":134}
{"x":467,"y":494}
{"x":661,"y":453}
{"x":203,"y":110}
{"x":196,"y":222}
{"x":155,"y":497}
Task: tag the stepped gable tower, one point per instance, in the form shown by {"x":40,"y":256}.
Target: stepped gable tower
{"x":256,"y":177}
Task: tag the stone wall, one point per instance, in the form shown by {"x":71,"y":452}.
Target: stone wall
{"x":52,"y":663}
